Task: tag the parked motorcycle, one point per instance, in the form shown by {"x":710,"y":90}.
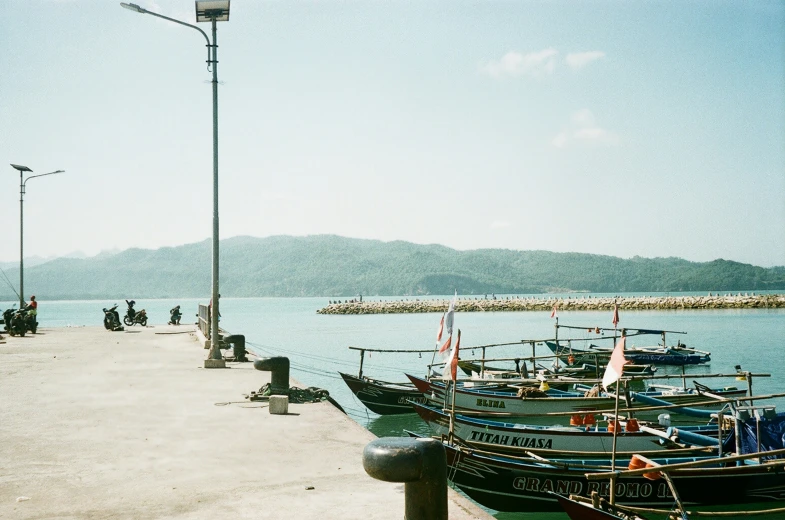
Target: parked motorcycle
{"x":138,"y":317}
{"x":112,"y":319}
{"x":29,"y":320}
{"x":7,"y":314}
{"x":174,"y":316}
{"x":15,"y":321}
{"x":133,"y":317}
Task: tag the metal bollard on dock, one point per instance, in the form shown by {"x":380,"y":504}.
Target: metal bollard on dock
{"x":279,"y":373}
{"x":421,"y":464}
{"x":238,"y":346}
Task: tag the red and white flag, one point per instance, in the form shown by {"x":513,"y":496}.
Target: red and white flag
{"x":454,"y":357}
{"x":553,"y":312}
{"x":444,"y":348}
{"x":441,"y":329}
{"x":615,"y":366}
{"x":615,"y":314}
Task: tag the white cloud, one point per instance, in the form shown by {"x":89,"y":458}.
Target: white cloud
{"x":583,"y":129}
{"x":535,"y":64}
{"x":560,"y":141}
{"x":578,"y":60}
{"x":597,"y":135}
{"x":583,"y":118}
{"x":499,"y":224}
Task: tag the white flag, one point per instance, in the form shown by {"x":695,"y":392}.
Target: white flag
{"x":439,"y":331}
{"x":616,"y":365}
{"x":451,"y":314}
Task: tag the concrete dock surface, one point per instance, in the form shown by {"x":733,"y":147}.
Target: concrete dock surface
{"x":99,"y":424}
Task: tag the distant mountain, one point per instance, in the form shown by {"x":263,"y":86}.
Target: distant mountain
{"x":327,"y":265}
{"x":31,"y":261}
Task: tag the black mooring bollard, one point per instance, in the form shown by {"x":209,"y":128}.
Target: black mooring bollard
{"x":238,"y":346}
{"x":421,"y":464}
{"x":279,"y":373}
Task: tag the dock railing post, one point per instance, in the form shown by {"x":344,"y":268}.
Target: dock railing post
{"x":421,"y":464}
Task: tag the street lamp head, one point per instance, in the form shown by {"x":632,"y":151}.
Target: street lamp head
{"x":133,"y":7}
{"x":209,"y":10}
{"x":21,"y":168}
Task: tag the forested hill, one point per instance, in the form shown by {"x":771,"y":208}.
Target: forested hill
{"x":327,"y":265}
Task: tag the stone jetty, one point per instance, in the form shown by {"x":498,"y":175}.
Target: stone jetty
{"x":546,"y":303}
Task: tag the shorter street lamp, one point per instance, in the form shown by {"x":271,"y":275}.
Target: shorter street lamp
{"x":22,"y":183}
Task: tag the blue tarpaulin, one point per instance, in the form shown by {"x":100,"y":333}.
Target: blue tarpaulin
{"x":772,"y":435}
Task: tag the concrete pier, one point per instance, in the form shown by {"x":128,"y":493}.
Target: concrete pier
{"x":99,"y":424}
{"x":545,"y":303}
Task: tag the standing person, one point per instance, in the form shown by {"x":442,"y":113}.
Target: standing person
{"x":210,"y":307}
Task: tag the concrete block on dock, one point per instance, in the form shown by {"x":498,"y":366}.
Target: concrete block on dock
{"x":279,"y":404}
{"x":214,"y":363}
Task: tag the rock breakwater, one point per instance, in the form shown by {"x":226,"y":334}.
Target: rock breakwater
{"x":586,"y":303}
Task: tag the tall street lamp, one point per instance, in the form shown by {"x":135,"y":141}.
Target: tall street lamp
{"x":207,"y":11}
{"x":22,"y":183}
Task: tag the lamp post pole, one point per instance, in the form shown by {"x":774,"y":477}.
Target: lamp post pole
{"x":215,"y":351}
{"x":212,"y":11}
{"x":22,"y":185}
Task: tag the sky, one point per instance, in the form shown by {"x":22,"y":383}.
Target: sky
{"x":651,"y":128}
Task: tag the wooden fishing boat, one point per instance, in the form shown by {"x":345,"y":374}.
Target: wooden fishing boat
{"x":585,"y":439}
{"x":512,"y":484}
{"x":386,"y":398}
{"x":383,"y":397}
{"x":658,"y":355}
{"x":536,"y":409}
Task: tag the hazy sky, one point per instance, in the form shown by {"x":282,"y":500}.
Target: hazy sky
{"x":620,"y":128}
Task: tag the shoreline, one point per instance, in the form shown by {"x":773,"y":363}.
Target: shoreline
{"x":586,"y":303}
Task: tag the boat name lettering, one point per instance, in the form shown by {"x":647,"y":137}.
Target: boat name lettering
{"x":625,"y":489}
{"x":406,"y":400}
{"x":507,"y":440}
{"x":565,"y":487}
{"x":575,"y":487}
{"x":490,"y":403}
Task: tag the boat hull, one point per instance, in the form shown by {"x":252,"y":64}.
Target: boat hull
{"x":558,"y":439}
{"x":383,"y":398}
{"x":534,"y":409}
{"x":508,"y":485}
{"x":580,"y":511}
{"x":640,"y":357}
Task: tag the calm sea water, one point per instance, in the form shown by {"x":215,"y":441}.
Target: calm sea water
{"x":317,"y":345}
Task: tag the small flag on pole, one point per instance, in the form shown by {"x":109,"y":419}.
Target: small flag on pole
{"x":451,"y":313}
{"x":446,"y":345}
{"x":615,"y":314}
{"x":454,"y":358}
{"x":615,"y":366}
{"x":553,"y":312}
{"x":441,"y":329}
